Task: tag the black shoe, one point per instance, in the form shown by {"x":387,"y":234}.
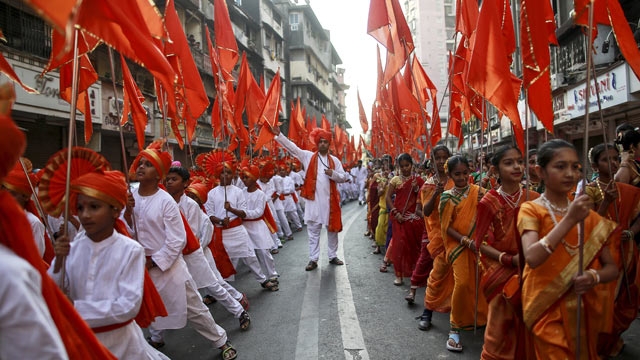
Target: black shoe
{"x":336,"y":261}
{"x":425,"y":320}
{"x":155,"y":345}
{"x":312,"y":265}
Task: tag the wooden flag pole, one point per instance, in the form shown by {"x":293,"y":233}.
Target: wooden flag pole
{"x":36,"y":201}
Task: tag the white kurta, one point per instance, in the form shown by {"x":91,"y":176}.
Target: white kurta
{"x":56,"y":223}
{"x":235,"y":239}
{"x":276,"y":182}
{"x":161,"y":233}
{"x":37,"y":228}
{"x":105,"y":282}
{"x":318,"y":209}
{"x":286,"y":187}
{"x":196,"y":262}
{"x":26,"y":328}
{"x":258,"y":231}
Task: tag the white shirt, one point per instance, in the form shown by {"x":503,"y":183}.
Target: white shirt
{"x":37,"y":228}
{"x":26,"y":328}
{"x":258,"y":230}
{"x":360,"y":174}
{"x":235,"y":239}
{"x":285,"y":186}
{"x":318,"y":209}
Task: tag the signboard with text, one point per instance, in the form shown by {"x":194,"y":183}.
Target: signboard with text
{"x":611,"y":86}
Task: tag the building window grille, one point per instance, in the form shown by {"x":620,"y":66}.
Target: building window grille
{"x":25,"y":32}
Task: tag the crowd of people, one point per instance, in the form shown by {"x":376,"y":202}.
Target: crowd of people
{"x":499,"y":246}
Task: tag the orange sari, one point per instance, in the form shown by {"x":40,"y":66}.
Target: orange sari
{"x":440,"y":283}
{"x":459,"y":212}
{"x":505,"y":335}
{"x":548,"y":299}
{"x":625,"y":210}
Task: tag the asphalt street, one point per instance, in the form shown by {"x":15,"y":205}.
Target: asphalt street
{"x":335,"y":312}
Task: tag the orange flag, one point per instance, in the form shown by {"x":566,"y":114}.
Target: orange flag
{"x":179,"y":54}
{"x":225,"y":39}
{"x":133,"y":103}
{"x":6,"y":68}
{"x":129,"y":27}
{"x":86,"y":77}
{"x":466,"y":16}
{"x":363,"y":117}
{"x":269,"y":114}
{"x":609,"y":12}
{"x":534,"y":37}
{"x":427,"y":90}
{"x":325,"y":123}
{"x":489,"y":69}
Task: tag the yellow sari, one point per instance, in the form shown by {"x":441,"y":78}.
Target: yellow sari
{"x":383,"y":215}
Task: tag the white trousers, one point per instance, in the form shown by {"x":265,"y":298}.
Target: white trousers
{"x":199,"y":318}
{"x":283,"y":224}
{"x":225,"y":299}
{"x":276,"y":241}
{"x":361,"y":197}
{"x":295,"y":220}
{"x":313,"y":231}
{"x":266,"y":260}
{"x":253,"y":265}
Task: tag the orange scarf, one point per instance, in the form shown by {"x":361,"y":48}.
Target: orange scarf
{"x":192,"y":241}
{"x":223,"y":262}
{"x":308,"y":191}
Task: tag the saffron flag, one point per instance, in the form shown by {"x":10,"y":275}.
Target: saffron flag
{"x":133,"y":103}
{"x":489,"y":69}
{"x":269,"y":114}
{"x":534,"y":37}
{"x":225,"y":39}
{"x":363,"y":117}
{"x":87,"y":75}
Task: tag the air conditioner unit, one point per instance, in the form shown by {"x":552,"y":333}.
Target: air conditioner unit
{"x":557,"y":80}
{"x":112,"y":107}
{"x":294,"y":27}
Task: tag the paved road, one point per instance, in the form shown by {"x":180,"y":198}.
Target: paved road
{"x":335,"y":312}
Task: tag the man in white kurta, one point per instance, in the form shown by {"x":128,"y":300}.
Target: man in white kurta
{"x":287,"y":191}
{"x":284,"y":230}
{"x":235,"y":239}
{"x":316,"y":213}
{"x":267,"y":186}
{"x":24,"y":315}
{"x":105,"y":281}
{"x":360,"y":177}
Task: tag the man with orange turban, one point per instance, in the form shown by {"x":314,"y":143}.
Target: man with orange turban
{"x":105,"y":269}
{"x":322,"y":206}
{"x":161,"y":231}
{"x":18,"y":185}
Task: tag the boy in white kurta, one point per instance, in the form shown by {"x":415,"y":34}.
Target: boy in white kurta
{"x":176,"y":182}
{"x":226,"y":207}
{"x":322,"y":205}
{"x":267,"y":185}
{"x":255,"y":221}
{"x":161,"y":232}
{"x":105,"y":269}
{"x":287,"y":193}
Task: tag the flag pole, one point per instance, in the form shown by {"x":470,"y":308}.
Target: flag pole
{"x":477,"y":284}
{"x":36,"y":201}
{"x":125,"y":166}
{"x":585,"y":152}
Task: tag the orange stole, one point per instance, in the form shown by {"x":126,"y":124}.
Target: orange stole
{"x":440,"y":283}
{"x":549,"y":302}
{"x":192,"y":241}
{"x":223,"y":262}
{"x":308,"y":191}
{"x":460,"y":214}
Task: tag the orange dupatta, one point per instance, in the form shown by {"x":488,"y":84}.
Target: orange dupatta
{"x":308,"y":191}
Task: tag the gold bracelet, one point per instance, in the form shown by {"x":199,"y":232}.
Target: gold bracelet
{"x":595,"y":275}
{"x":500,"y":257}
{"x":545,"y":244}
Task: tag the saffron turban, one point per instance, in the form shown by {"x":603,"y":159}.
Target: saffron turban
{"x":319,"y":133}
{"x":200,"y":190}
{"x":251,"y":171}
{"x":16,"y":180}
{"x":108,"y":186}
{"x":161,"y":160}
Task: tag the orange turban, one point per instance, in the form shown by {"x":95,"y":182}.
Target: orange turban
{"x":17,"y":181}
{"x":251,"y":171}
{"x":108,"y":186}
{"x":161,"y":160}
{"x":200,"y":190}
{"x":268,"y":169}
{"x":12,"y":144}
{"x":319,"y":133}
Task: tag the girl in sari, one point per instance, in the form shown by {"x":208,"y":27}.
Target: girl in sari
{"x":406,"y":218}
{"x":383,"y":214}
{"x":373,"y":209}
{"x":496,"y":237}
{"x":437,"y":296}
{"x":624,"y":210}
{"x":629,"y":171}
{"x":458,"y":208}
{"x":550,"y":244}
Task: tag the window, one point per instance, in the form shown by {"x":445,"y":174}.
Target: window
{"x":294,"y":21}
{"x":25,"y":32}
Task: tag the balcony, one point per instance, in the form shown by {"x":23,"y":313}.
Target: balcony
{"x":202,"y":60}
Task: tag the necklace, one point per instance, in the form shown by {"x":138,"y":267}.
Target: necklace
{"x":511,"y":200}
{"x":461,"y":192}
{"x":552,"y":207}
{"x":571,"y":249}
{"x":322,"y":162}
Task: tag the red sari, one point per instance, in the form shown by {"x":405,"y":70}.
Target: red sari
{"x":505,"y":335}
{"x":407,"y":234}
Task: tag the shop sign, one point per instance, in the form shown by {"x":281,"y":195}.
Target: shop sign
{"x":611,"y":86}
{"x":48,"y":102}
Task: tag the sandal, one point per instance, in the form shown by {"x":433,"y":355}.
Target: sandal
{"x":453,"y":342}
{"x":425,"y":320}
{"x":398,"y":282}
{"x":275,"y":251}
{"x":377,"y":250}
{"x":383,"y":267}
{"x":411,"y":296}
{"x":208,"y":300}
{"x":245,"y":321}
{"x":228,"y":351}
{"x":269,"y":285}
{"x":336,"y":261}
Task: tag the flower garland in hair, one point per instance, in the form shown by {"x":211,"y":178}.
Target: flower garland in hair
{"x":446,"y":167}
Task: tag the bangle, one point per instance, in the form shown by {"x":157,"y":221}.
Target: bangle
{"x":545,"y":245}
{"x":463,"y":240}
{"x":629,"y":233}
{"x":595,"y":275}
{"x":500,"y":257}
